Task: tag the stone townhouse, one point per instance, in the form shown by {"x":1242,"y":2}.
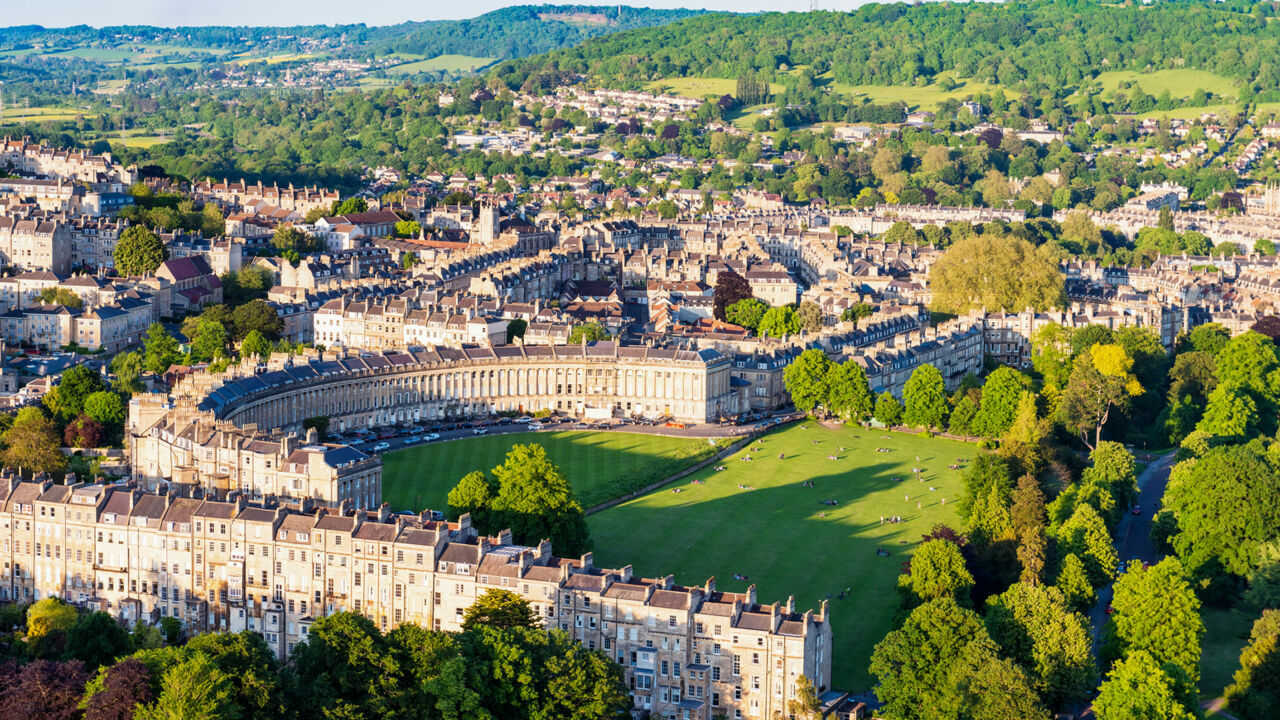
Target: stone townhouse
{"x":186,"y":449}
{"x":35,"y":244}
{"x":687,"y":651}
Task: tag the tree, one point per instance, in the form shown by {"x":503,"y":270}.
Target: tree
{"x":1000,"y":396}
{"x":32,"y":443}
{"x":1254,"y":693}
{"x":344,"y":669}
{"x":1034,"y":627}
{"x":888,"y":410}
{"x":1249,"y":363}
{"x":96,"y":639}
{"x":934,"y":667}
{"x":1073,"y":583}
{"x":500,"y":609}
{"x":1156,"y":611}
{"x":746,"y":313}
{"x":587,"y":332}
{"x":84,"y":432}
{"x":209,"y":342}
{"x":61,"y":296}
{"x":848,"y":392}
{"x":995,"y":272}
{"x":854,"y":313}
{"x":516,"y":329}
{"x":987,"y":472}
{"x":1027,"y":509}
{"x":1209,"y":338}
{"x":925,"y":398}
{"x":810,"y":316}
{"x":125,"y":685}
{"x":779,"y":322}
{"x":194,"y":688}
{"x":48,"y":615}
{"x":1085,"y":535}
{"x":67,"y":400}
{"x":408,"y":260}
{"x":246,"y":658}
{"x":355,"y":205}
{"x":1140,"y":688}
{"x":730,"y":288}
{"x":46,"y":690}
{"x":535,"y":501}
{"x":938,"y":570}
{"x":288,"y":237}
{"x":1227,"y":506}
{"x":1100,"y":380}
{"x":254,"y":344}
{"x":473,"y":494}
{"x":139,"y":251}
{"x":127,"y":369}
{"x":160,"y":349}
{"x":256,"y":315}
{"x":807,"y":378}
{"x":106,"y":407}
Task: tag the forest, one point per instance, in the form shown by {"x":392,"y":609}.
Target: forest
{"x":1037,"y":46}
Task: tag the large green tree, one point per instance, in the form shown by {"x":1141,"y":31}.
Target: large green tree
{"x":1034,"y":626}
{"x":995,"y":272}
{"x":1000,"y":395}
{"x":32,"y":443}
{"x":848,"y":392}
{"x":139,"y":251}
{"x":807,"y":379}
{"x":1156,"y":611}
{"x":1227,"y":507}
{"x":925,"y":398}
{"x":1139,"y":687}
{"x":1254,"y":693}
{"x":536,"y":502}
{"x":160,"y":349}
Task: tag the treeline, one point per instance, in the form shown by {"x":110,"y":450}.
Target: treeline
{"x":1058,"y":45}
{"x":64,"y":664}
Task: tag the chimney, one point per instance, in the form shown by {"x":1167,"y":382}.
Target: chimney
{"x":587,"y":560}
{"x":543,"y":552}
{"x":464,"y":525}
{"x":384,"y":512}
{"x":710,"y":587}
{"x":504,"y":537}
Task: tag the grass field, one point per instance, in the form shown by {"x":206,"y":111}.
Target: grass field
{"x":773,"y":533}
{"x":1182,"y":82}
{"x":599,"y":465}
{"x":696,"y":87}
{"x":39,"y":114}
{"x":1225,"y":634}
{"x":447,"y":63}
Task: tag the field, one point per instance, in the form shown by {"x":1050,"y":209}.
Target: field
{"x":447,"y":63}
{"x":40,"y":114}
{"x":773,"y":534}
{"x":1226,"y":633}
{"x":696,"y":87}
{"x":915,"y":98}
{"x":599,"y":465}
{"x":1180,"y":83}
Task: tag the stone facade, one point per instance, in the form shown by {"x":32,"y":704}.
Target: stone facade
{"x":688,"y":652}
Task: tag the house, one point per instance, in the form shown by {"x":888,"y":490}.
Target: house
{"x":193,"y":281}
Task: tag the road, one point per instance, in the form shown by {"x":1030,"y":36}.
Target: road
{"x":693,"y":431}
{"x":1133,"y":534}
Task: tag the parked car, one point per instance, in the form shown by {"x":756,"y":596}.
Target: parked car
{"x":412,"y":439}
{"x":480,"y":431}
{"x":535,"y":425}
{"x":432,"y":436}
{"x":382,"y":446}
{"x":524,"y":420}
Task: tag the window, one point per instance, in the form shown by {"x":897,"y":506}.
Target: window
{"x":737,"y":665}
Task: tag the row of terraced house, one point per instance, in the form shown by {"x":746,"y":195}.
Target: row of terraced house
{"x":687,"y":652}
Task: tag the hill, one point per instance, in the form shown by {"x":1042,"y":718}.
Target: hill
{"x":1036,"y":46}
{"x":517,"y":31}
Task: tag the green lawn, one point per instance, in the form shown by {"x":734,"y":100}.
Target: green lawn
{"x":696,"y":87}
{"x":773,"y":535}
{"x":447,"y":63}
{"x":599,"y":465}
{"x":1225,"y":634}
{"x":1182,"y":82}
{"x":927,"y":97}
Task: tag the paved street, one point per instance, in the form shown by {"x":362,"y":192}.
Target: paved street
{"x":1133,"y":534}
{"x":401,"y":441}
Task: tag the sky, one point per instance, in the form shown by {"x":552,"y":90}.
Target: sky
{"x":324,"y":12}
